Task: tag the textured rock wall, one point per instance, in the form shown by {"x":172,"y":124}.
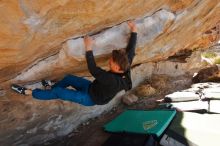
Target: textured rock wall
{"x":113,"y":38}
{"x":42,"y":39}
{"x":34,"y":33}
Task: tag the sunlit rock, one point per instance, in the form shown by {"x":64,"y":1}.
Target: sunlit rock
{"x":116,"y":37}
{"x":43,"y":40}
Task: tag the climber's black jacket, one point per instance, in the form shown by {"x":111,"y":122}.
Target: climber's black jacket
{"x":107,"y":84}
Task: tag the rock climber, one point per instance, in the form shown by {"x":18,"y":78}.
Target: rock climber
{"x":106,"y":84}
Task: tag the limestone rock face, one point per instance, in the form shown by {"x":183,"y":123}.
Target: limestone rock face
{"x":43,"y":40}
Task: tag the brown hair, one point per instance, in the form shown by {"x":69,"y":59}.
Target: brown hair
{"x":120,"y":57}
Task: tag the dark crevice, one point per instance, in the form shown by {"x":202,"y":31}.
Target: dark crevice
{"x":181,"y":56}
{"x":136,"y":65}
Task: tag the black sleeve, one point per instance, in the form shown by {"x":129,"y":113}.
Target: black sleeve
{"x":130,"y":50}
{"x":98,"y":73}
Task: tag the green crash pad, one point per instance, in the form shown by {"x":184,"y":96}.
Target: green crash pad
{"x":141,"y":121}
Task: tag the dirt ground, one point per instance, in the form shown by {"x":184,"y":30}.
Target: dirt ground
{"x":91,"y":133}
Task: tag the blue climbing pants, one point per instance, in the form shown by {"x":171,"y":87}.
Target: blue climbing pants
{"x":59,"y":91}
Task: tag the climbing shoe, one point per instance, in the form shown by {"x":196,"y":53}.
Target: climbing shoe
{"x":18,"y":89}
{"x":46,"y":83}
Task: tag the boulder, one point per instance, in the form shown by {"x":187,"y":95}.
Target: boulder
{"x":145,"y":90}
{"x":129,"y":99}
{"x":208,"y":74}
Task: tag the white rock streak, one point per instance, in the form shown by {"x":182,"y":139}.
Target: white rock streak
{"x":106,"y":41}
{"x":116,"y":37}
